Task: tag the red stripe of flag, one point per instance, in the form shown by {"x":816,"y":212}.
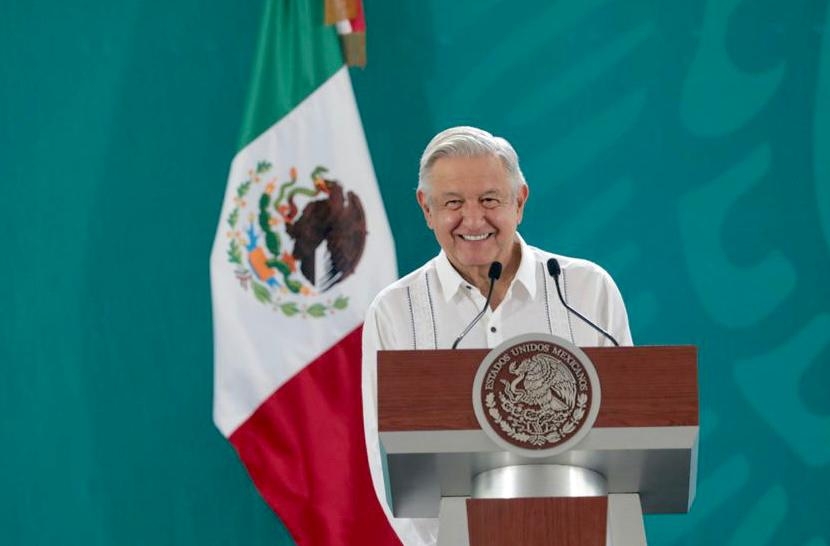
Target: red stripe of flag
{"x":298,"y":441}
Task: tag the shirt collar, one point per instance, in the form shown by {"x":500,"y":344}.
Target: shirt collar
{"x":526,"y":275}
{"x":451,"y":281}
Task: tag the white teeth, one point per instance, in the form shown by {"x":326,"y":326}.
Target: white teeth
{"x":475,"y":237}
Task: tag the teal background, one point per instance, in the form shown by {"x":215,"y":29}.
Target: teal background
{"x":682,"y":145}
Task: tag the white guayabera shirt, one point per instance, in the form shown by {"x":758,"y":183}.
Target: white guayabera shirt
{"x":429,"y":308}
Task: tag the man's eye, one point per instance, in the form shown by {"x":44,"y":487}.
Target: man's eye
{"x":490,"y":202}
{"x":453,"y":204}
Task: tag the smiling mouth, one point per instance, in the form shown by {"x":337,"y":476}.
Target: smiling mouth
{"x":475,"y":237}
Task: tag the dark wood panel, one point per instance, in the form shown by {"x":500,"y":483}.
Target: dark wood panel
{"x":641,"y":386}
{"x":577,"y":521}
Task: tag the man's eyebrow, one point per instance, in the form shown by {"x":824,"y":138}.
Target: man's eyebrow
{"x":492,"y":193}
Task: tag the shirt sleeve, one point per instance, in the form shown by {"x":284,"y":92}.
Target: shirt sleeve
{"x":616,"y":316}
{"x":411,"y":531}
{"x":369,"y":387}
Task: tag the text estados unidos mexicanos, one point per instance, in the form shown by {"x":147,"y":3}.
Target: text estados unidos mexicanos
{"x":536,"y":347}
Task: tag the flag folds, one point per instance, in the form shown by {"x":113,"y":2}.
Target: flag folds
{"x":302,"y":247}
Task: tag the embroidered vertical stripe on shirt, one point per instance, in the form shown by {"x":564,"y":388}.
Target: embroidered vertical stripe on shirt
{"x":422,"y":314}
{"x":411,"y":318}
{"x":431,"y":312}
{"x":547,"y":298}
{"x":565,"y":297}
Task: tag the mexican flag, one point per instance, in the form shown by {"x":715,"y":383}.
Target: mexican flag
{"x":303,"y":245}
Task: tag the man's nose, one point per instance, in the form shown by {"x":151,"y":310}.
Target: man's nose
{"x":472,"y":213}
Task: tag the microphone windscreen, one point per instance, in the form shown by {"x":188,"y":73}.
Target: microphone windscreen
{"x":553,"y":267}
{"x":495,"y":270}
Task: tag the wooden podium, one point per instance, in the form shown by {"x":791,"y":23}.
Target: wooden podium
{"x":642,"y":447}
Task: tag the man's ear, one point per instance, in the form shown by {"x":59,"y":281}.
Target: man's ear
{"x":521,"y":199}
{"x":423,"y":202}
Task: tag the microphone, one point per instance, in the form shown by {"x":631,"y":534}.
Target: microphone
{"x":554,"y":270}
{"x":494,"y":273}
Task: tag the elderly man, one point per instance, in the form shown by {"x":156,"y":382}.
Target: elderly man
{"x":473,"y":194}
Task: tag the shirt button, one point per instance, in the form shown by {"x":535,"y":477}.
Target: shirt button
{"x":469,"y":287}
{"x":493,"y":329}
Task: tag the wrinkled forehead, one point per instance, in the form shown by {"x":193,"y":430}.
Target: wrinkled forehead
{"x":464,"y":174}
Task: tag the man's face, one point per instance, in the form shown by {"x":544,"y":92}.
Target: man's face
{"x":473,"y":211}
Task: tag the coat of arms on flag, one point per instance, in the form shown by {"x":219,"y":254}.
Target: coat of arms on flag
{"x":292,"y":242}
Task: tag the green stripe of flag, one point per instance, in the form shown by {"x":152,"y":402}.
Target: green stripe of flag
{"x":296,"y":53}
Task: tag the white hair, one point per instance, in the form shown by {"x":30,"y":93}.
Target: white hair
{"x":466,"y":141}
